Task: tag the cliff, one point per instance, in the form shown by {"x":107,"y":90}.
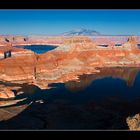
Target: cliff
{"x":76,"y":56}
{"x":58,"y":40}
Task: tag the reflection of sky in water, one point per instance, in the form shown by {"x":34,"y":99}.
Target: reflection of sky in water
{"x":39,"y":49}
{"x":97,"y":90}
{"x":100,"y":103}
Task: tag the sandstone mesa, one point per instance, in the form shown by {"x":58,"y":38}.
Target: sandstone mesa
{"x":74,"y":56}
{"x":67,"y":61}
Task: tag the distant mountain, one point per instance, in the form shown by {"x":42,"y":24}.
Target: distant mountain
{"x":81,"y":32}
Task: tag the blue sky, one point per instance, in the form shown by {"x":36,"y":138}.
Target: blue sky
{"x":53,"y":22}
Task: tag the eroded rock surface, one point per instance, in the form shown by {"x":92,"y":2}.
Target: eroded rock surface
{"x":134,"y":122}
{"x":76,"y":56}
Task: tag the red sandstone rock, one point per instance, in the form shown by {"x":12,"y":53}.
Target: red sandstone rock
{"x":5,"y":93}
{"x":82,"y":57}
{"x":58,"y":40}
{"x":134,"y":122}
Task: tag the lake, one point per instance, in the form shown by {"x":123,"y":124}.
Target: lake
{"x":99,"y":101}
{"x":39,"y":49}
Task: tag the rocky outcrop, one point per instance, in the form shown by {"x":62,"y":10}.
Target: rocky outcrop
{"x":82,"y":56}
{"x":29,"y":40}
{"x":6,"y":93}
{"x":59,"y":40}
{"x":66,"y":64}
{"x":15,"y":40}
{"x":17,"y":68}
{"x":134,"y":122}
{"x":14,"y":51}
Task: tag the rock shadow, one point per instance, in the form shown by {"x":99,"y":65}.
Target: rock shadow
{"x":46,"y":112}
{"x":59,"y":108}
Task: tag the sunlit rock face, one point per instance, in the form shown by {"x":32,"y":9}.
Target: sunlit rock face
{"x":6,"y":93}
{"x":15,"y":40}
{"x":133,"y":122}
{"x":17,"y":68}
{"x":75,"y":56}
{"x":60,"y":40}
{"x":29,"y":40}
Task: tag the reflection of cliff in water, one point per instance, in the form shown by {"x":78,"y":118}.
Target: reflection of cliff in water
{"x":126,"y":74}
{"x":32,"y":92}
{"x":91,"y":108}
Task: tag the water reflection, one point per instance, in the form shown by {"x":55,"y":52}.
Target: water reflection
{"x":127,"y":74}
{"x":97,"y":101}
{"x":108,"y":82}
{"x":39,"y":49}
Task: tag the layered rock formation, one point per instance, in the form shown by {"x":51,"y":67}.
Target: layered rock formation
{"x":29,"y":40}
{"x":19,"y":40}
{"x":58,"y":40}
{"x":75,"y":56}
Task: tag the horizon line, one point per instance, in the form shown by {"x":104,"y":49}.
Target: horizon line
{"x":67,"y":35}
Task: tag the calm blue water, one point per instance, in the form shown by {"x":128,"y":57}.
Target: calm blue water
{"x":99,"y":88}
{"x":39,"y":49}
{"x":99,"y":101}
